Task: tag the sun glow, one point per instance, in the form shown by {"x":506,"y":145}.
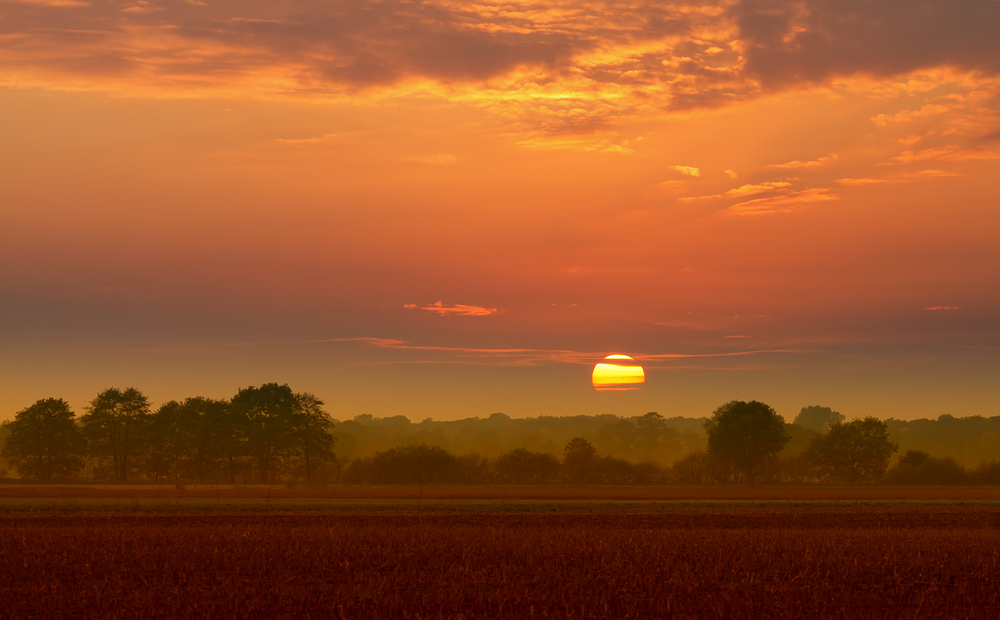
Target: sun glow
{"x":616,"y":374}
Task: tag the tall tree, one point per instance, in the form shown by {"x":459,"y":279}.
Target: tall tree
{"x":189,"y":440}
{"x":580,"y":460}
{"x":211,"y":438}
{"x":113,"y":426}
{"x":266,"y":415}
{"x":745,"y":435}
{"x":817,"y":418}
{"x":45,"y":443}
{"x":311,"y":431}
{"x":856,"y":451}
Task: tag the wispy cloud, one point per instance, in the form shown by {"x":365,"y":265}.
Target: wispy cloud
{"x":560,"y":68}
{"x":748,"y":190}
{"x":517,"y":356}
{"x":899,"y":178}
{"x":55,"y":3}
{"x":816,"y":163}
{"x":782,"y":203}
{"x":943,"y":308}
{"x":317,"y":140}
{"x":456,"y":309}
{"x":946,"y":153}
{"x":859,"y":182}
{"x":883,"y":120}
{"x":690,"y":171}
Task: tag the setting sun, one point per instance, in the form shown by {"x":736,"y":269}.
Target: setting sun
{"x":617,"y":374}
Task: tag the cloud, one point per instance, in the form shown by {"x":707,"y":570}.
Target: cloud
{"x":690,"y":171}
{"x":434,"y":354}
{"x":456,"y":309}
{"x":863,"y":181}
{"x":782,"y":203}
{"x":946,"y":153}
{"x":943,"y":308}
{"x":816,"y":163}
{"x":317,"y":140}
{"x":557,"y":68}
{"x":142,"y":6}
{"x":56,"y":3}
{"x":883,"y":120}
{"x":934,"y":174}
{"x":791,"y":43}
{"x":739,"y":192}
{"x":748,"y":190}
{"x":730,"y":174}
{"x":901,"y":178}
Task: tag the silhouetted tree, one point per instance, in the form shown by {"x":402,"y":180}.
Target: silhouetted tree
{"x":225,"y":439}
{"x":692,"y":469}
{"x":474,"y":469}
{"x":817,"y":418}
{"x":745,"y":435}
{"x":521,"y":466}
{"x":918,"y":467}
{"x":856,"y":451}
{"x":210,"y":431}
{"x":266,"y":416}
{"x":579,"y":460}
{"x":311,"y":430}
{"x":113,"y":425}
{"x":44,"y":442}
{"x":421,"y":464}
{"x":987,"y":472}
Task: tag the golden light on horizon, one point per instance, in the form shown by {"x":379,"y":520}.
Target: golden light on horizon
{"x":616,"y":374}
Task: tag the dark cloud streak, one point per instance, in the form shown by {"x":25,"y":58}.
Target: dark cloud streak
{"x":672,"y":56}
{"x":790,"y":43}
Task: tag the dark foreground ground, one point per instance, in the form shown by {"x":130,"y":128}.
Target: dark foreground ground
{"x":831,"y":561}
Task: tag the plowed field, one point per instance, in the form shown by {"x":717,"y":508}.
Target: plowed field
{"x":800,"y":562}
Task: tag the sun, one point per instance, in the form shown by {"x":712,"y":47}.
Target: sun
{"x":616,"y":373}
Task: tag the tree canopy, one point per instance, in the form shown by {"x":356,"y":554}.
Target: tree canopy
{"x":744,"y":435}
{"x":817,"y":418}
{"x":45,"y":443}
{"x":113,"y":425}
{"x":852,"y":452}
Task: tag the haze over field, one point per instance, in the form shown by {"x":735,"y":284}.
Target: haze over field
{"x":443,"y":209}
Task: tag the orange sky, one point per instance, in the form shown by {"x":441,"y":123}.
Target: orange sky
{"x":446,"y":209}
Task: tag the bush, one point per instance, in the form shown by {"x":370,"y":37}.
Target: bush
{"x":692,"y":469}
{"x":421,"y":464}
{"x":918,"y":467}
{"x":521,"y":466}
{"x":986,"y":473}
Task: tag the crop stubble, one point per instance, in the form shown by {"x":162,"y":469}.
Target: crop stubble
{"x":857,"y":562}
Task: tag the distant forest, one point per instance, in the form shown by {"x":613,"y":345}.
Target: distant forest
{"x":271,"y":434}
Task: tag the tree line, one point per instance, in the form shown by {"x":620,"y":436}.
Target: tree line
{"x":270,"y":433}
{"x":259,"y":434}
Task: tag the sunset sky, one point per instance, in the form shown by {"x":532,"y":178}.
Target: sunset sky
{"x":446,"y":209}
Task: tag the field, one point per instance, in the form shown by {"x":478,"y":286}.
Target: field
{"x":581,"y":555}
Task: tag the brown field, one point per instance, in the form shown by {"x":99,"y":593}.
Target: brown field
{"x":512,"y":492}
{"x":843,"y":561}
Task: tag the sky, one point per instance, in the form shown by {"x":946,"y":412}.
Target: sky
{"x":447,"y":209}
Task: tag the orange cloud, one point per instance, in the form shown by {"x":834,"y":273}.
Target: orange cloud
{"x":456,"y":309}
{"x":689,"y":171}
{"x":816,"y":163}
{"x":782,"y":203}
{"x":748,"y":190}
{"x":560,"y":68}
{"x":882,"y":120}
